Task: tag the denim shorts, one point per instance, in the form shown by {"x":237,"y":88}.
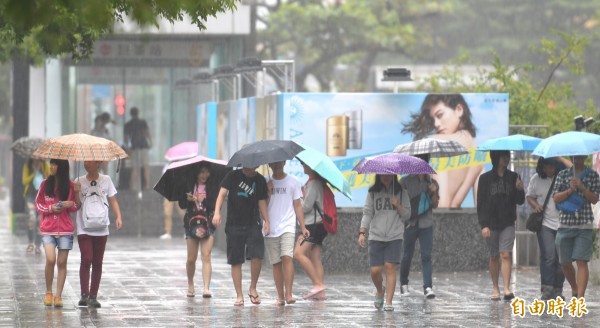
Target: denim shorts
{"x":381,"y":252}
{"x":62,"y":242}
{"x":574,"y":244}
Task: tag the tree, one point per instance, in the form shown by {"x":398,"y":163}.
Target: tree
{"x":320,"y":35}
{"x":40,"y":28}
{"x":532,"y":101}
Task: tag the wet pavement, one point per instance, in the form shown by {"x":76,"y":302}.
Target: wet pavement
{"x":144,"y":285}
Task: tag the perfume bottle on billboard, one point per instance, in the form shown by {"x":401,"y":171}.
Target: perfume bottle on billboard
{"x":354,"y":129}
{"x":337,"y":135}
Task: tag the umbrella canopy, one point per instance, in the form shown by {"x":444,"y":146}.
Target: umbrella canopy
{"x":570,"y":143}
{"x":264,"y":152}
{"x":80,"y":147}
{"x":25,"y":146}
{"x":516,"y":142}
{"x":323,"y":165}
{"x":181,"y":151}
{"x":393,"y":163}
{"x":433,"y":147}
{"x":172,"y":183}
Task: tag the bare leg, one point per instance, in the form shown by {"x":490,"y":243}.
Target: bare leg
{"x":255,"y":266}
{"x":300,"y":255}
{"x":495,"y":273}
{"x":506,"y":267}
{"x":168,"y":215}
{"x":236,"y":276}
{"x":288,"y":276}
{"x":63,"y":255}
{"x":146,"y":175}
{"x":390,"y":281}
{"x":278,"y":278}
{"x":50,"y":263}
{"x":190,"y":264}
{"x":207,"y":245}
{"x":583,"y":274}
{"x":315,"y":259}
{"x":377,"y":277}
{"x":569,"y":272}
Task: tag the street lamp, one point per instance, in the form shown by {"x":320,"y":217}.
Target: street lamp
{"x":396,"y":75}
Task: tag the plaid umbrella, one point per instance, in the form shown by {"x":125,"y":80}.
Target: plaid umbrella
{"x":25,"y":146}
{"x":80,"y":147}
{"x":433,"y":147}
{"x":393,"y":163}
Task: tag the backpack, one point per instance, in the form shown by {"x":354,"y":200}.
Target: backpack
{"x":329,"y":214}
{"x":94,"y":208}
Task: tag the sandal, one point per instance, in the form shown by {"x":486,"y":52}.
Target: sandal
{"x":313,"y":292}
{"x":290,"y":300}
{"x":206,"y":295}
{"x":379,"y":299}
{"x":239,"y":303}
{"x":255,"y":299}
{"x":30,"y":248}
{"x":38,"y":251}
{"x":191,"y":293}
{"x":280,"y":302}
{"x":508,"y":297}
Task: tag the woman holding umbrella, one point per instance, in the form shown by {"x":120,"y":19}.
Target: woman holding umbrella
{"x":308,"y":249}
{"x":34,"y":172}
{"x":199,"y":202}
{"x":55,"y":201}
{"x":386,"y":209}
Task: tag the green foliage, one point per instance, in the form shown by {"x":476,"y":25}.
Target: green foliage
{"x":40,"y":28}
{"x":531,"y":103}
{"x":353,"y":32}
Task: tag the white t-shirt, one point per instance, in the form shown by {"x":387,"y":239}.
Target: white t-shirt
{"x":282,"y":217}
{"x":105,"y":184}
{"x":538,"y":189}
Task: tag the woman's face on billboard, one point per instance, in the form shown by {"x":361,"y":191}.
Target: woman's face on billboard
{"x":446,"y":120}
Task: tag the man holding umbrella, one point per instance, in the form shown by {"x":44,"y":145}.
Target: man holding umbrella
{"x":246,"y":192}
{"x":574,"y":235}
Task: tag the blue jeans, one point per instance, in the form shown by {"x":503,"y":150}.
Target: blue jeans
{"x":425,"y":236}
{"x":550,"y":270}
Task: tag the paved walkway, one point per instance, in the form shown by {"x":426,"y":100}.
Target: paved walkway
{"x":144,"y":285}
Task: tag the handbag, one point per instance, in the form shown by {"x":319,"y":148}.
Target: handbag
{"x":575,"y":201}
{"x":198,"y":227}
{"x":534,"y":221}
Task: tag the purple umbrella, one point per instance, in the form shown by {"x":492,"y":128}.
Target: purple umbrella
{"x":393,"y":163}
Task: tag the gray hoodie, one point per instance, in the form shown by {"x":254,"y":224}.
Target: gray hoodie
{"x":382,"y":220}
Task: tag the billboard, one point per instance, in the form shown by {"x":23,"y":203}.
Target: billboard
{"x":350,"y":126}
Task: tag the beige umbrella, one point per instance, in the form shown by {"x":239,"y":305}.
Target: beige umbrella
{"x":80,"y":147}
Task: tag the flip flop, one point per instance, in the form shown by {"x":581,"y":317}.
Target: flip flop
{"x":280,"y":302}
{"x":313,"y":292}
{"x":379,"y":299}
{"x":508,"y":297}
{"x":239,"y":303}
{"x":495,"y":297}
{"x":207,"y":295}
{"x":290,"y":301}
{"x":191,"y":294}
{"x":254,"y":299}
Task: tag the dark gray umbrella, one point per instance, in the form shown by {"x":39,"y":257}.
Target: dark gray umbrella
{"x":264,"y":152}
{"x":25,"y":146}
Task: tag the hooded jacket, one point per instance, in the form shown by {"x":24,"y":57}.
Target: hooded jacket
{"x":383,"y":221}
{"x":497,"y":199}
{"x":55,"y":224}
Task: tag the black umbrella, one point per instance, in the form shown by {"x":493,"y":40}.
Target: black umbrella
{"x":178,"y":175}
{"x":264,"y":152}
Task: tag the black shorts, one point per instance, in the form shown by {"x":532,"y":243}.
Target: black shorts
{"x":317,"y":233}
{"x":244,"y":243}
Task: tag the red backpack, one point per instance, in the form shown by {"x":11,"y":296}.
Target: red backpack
{"x":329,"y":214}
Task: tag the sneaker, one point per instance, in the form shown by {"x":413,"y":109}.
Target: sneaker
{"x":429,"y":293}
{"x":58,"y":301}
{"x":165,"y":236}
{"x":93,"y":302}
{"x":404,"y":290}
{"x":48,"y":299}
{"x":388,"y":307}
{"x":83,"y":301}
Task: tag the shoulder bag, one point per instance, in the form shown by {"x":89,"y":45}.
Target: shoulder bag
{"x":534,"y":221}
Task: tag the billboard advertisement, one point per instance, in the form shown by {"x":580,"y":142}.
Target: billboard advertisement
{"x":350,"y":126}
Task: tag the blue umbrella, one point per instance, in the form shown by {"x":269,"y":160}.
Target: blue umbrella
{"x":323,"y":165}
{"x":572,"y":143}
{"x":516,"y":142}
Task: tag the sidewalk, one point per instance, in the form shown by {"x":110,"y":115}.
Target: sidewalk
{"x":144,"y":284}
